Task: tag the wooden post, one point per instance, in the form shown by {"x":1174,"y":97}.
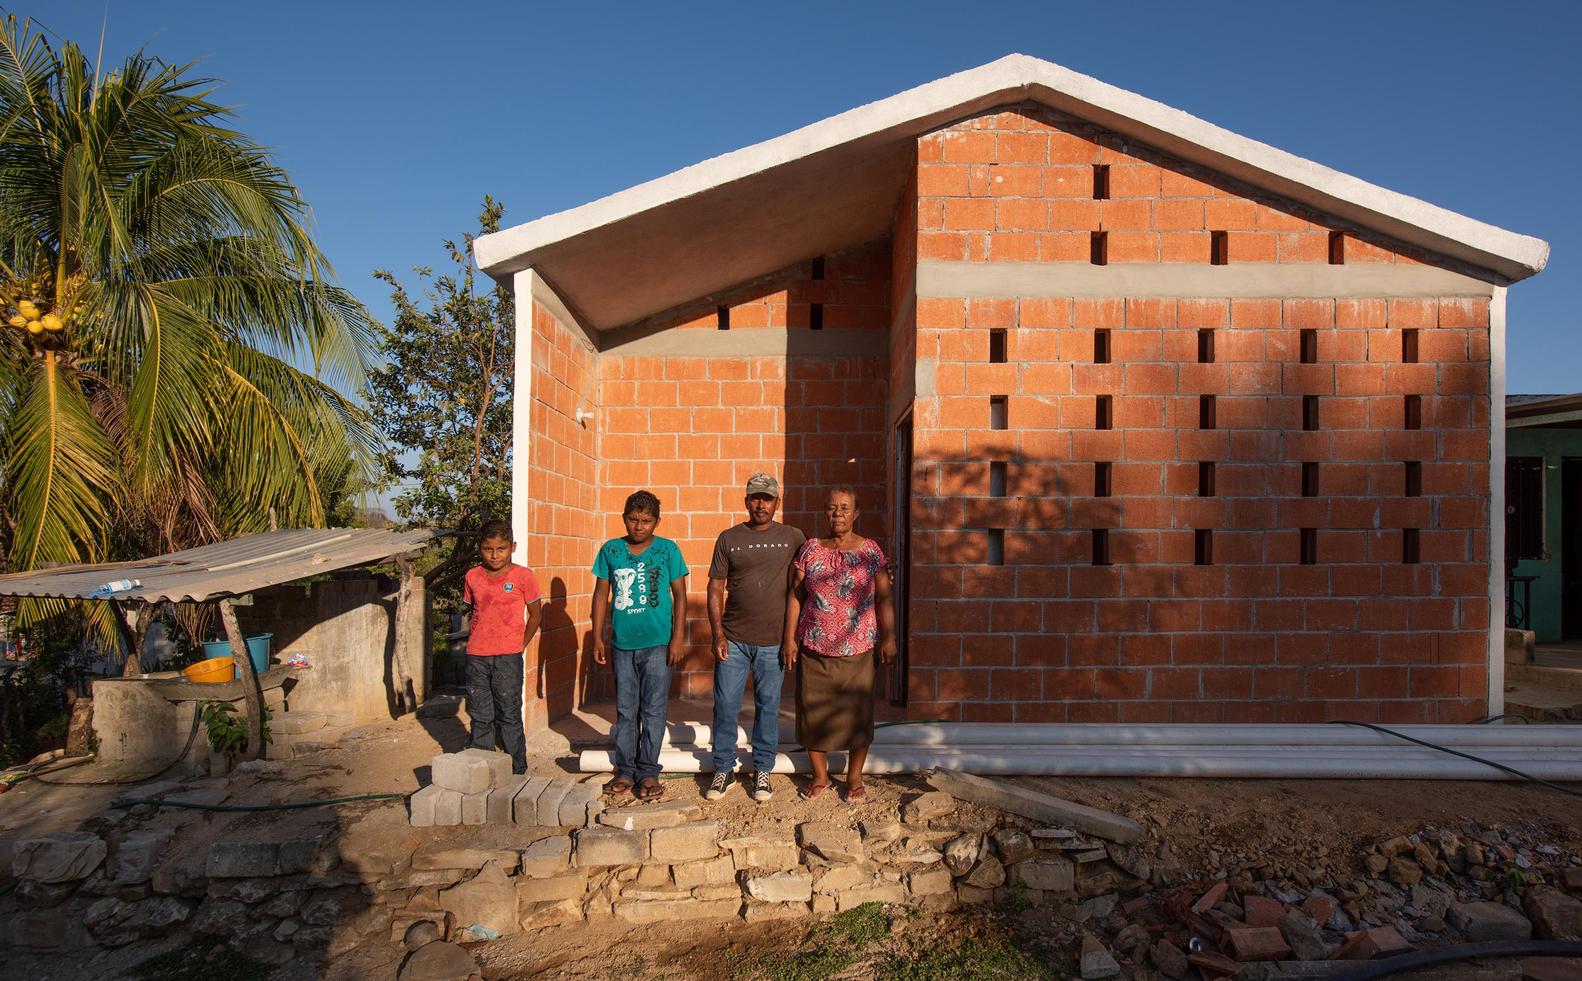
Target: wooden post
{"x":134,"y":647}
{"x":249,"y":679}
{"x":406,"y":694}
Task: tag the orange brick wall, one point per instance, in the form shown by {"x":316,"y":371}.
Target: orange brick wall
{"x":562,"y":528}
{"x":1256,"y":636}
{"x":693,"y":429}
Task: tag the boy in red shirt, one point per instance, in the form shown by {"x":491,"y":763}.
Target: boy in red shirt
{"x":506,"y":608}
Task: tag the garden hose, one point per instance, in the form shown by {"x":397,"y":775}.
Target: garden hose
{"x":1419,"y":959}
{"x":284,"y":806}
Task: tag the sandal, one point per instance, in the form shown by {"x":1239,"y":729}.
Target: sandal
{"x":649,"y":789}
{"x":617,"y":786}
{"x":812,"y":790}
{"x":857,"y":794}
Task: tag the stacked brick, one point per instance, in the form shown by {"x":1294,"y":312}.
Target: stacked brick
{"x":693,"y":429}
{"x":477,"y":787}
{"x":1264,"y":630}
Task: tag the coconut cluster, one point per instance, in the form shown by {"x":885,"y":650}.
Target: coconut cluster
{"x":26,"y":308}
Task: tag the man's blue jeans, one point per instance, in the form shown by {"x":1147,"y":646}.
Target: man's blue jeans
{"x":642,"y":687}
{"x":730,"y":677}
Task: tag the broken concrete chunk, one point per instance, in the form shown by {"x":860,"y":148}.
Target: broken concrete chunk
{"x":923,"y":807}
{"x":1304,"y":937}
{"x":1097,"y":962}
{"x":488,"y":899}
{"x":608,"y":846}
{"x":1365,"y":945}
{"x":987,"y":874}
{"x":547,"y":857}
{"x":646,"y":817}
{"x":830,"y":841}
{"x":1013,"y":846}
{"x":686,"y":842}
{"x":1049,"y":874}
{"x":1555,"y":916}
{"x":781,"y":887}
{"x":465,"y":773}
{"x":1483,"y":921}
{"x":60,"y":856}
{"x":438,"y":961}
{"x":1035,"y":805}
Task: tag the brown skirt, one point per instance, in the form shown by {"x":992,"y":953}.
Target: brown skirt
{"x":834,"y":701}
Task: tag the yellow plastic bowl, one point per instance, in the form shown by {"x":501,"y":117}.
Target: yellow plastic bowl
{"x":211,"y":670}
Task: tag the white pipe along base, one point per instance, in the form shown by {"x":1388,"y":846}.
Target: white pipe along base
{"x":1295,"y":762}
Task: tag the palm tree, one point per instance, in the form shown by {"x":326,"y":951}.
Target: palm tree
{"x":173,"y":356}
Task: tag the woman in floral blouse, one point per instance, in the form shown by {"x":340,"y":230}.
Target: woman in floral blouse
{"x":838,"y":613}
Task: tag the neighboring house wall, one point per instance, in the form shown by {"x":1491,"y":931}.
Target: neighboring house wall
{"x":562,"y":529}
{"x":1553,"y":446}
{"x":1006,"y":211}
{"x":690,"y":411}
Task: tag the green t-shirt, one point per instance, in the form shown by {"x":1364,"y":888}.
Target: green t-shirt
{"x":640,"y":607}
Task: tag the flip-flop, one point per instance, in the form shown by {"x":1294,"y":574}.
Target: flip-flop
{"x":649,"y":789}
{"x":857,"y":794}
{"x":617,"y":786}
{"x":812,"y":790}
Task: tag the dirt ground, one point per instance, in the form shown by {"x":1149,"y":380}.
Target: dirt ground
{"x":1199,"y":829}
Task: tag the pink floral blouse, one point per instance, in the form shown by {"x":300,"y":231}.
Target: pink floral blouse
{"x":838,"y":619}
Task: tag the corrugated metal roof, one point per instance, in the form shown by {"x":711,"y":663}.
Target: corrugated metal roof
{"x":229,"y":568}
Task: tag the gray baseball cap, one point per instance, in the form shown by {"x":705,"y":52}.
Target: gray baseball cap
{"x":762,"y":483}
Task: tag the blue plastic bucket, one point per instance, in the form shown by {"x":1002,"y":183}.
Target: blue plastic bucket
{"x":257,"y":650}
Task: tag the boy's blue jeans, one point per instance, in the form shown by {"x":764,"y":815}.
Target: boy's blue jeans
{"x":642,"y":688}
{"x":494,"y":700}
{"x":730,"y":677}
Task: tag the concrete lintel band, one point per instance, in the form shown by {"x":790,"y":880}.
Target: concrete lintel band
{"x":757,"y":342}
{"x":1249,"y":280}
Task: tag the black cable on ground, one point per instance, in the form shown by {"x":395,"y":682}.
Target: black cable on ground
{"x":287,"y":806}
{"x":191,"y":735}
{"x":1419,"y":959}
{"x":1456,"y":752}
{"x":1506,"y":715}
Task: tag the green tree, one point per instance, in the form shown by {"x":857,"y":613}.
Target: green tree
{"x":174,"y":357}
{"x":443,"y":399}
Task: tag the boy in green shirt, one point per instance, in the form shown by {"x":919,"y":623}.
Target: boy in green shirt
{"x":644,"y":578}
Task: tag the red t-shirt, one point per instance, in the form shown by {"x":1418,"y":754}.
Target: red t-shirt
{"x":499,"y":608}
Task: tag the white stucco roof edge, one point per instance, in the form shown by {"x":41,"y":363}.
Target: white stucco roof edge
{"x":1017,"y":77}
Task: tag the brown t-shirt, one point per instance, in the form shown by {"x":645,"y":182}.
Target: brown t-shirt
{"x":754,"y":565}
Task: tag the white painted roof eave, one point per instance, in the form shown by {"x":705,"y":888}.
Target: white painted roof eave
{"x":1017,"y":78}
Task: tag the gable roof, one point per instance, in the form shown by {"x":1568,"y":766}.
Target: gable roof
{"x":835,"y":184}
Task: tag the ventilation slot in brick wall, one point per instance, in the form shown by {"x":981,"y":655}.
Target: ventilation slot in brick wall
{"x":1205,"y":347}
{"x":815,"y":316}
{"x":1218,"y":248}
{"x":1101,"y":346}
{"x":1205,"y":479}
{"x":996,"y":546}
{"x":1309,"y":344}
{"x":1309,"y":479}
{"x":1203,"y":547}
{"x":1101,"y":480}
{"x":1101,"y":182}
{"x":1414,"y":479}
{"x":998,"y":416}
{"x":1310,"y":413}
{"x":1099,"y":249}
{"x":1205,"y":411}
{"x":1337,"y":248}
{"x":996,"y":347}
{"x":1409,"y":346}
{"x":997,"y":475}
{"x":1101,"y":546}
{"x":1414,"y":412}
{"x":1410,"y":546}
{"x":722,"y":317}
{"x":1103,"y":412}
{"x":1309,"y":546}
{"x":818,"y":268}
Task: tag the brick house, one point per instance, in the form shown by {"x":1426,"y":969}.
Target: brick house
{"x":1158,"y":423}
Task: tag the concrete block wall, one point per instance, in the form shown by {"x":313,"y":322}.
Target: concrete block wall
{"x":1257,"y":635}
{"x":344,"y":626}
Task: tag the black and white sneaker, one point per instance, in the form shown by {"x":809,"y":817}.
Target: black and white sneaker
{"x":719,"y":786}
{"x":761,"y":789}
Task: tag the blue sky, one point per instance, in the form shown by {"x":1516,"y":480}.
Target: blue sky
{"x":396,"y":118}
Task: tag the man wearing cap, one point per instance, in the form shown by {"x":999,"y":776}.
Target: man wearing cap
{"x":747,"y":605}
